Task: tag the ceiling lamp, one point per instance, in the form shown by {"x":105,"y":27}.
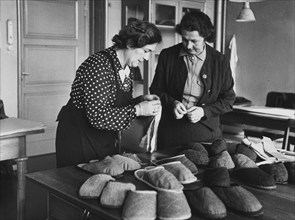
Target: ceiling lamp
{"x":246,"y":14}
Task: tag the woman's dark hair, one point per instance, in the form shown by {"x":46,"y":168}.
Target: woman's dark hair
{"x":137,"y":34}
{"x":197,"y":21}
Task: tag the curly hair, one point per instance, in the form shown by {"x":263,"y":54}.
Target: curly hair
{"x":197,"y":21}
{"x":137,"y":34}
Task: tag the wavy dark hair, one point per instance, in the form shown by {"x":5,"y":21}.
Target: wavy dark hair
{"x":197,"y":21}
{"x":137,"y":34}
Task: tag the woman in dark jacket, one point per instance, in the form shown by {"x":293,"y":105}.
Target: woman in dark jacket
{"x":101,"y":102}
{"x":195,"y":84}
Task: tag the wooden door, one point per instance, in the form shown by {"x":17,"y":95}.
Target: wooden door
{"x":53,"y":43}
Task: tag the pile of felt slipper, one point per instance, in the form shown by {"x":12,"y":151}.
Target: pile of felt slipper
{"x":251,"y":171}
{"x":136,"y":204}
{"x":208,"y":155}
{"x":219,"y":195}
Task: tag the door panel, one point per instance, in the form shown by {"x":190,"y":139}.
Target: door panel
{"x":8,"y":58}
{"x":53,"y":36}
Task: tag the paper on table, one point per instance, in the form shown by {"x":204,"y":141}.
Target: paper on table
{"x":283,"y":112}
{"x":12,"y":125}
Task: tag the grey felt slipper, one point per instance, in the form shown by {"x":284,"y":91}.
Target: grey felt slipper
{"x":222,"y":159}
{"x":239,"y":200}
{"x":93,"y":186}
{"x":158,"y":178}
{"x":140,"y":205}
{"x":205,"y":202}
{"x":172,"y":206}
{"x":182,"y":158}
{"x":181,"y":172}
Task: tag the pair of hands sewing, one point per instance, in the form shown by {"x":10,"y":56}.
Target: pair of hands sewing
{"x":194,"y":114}
{"x":149,"y":106}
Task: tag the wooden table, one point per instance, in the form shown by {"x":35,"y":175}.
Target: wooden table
{"x":13,"y":132}
{"x":62,"y":187}
{"x":264,"y":117}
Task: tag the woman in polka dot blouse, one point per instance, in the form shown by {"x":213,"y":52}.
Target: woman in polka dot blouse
{"x":101,"y":102}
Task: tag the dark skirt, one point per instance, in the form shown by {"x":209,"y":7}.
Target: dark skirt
{"x":176,"y":132}
{"x":77,"y":141}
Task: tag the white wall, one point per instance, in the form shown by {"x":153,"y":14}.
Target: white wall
{"x":266,"y":48}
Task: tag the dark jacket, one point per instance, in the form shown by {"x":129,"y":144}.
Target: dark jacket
{"x":218,"y":94}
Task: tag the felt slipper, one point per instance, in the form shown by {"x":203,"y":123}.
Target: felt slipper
{"x":196,"y":153}
{"x":158,"y":178}
{"x":172,"y":205}
{"x":291,"y":172}
{"x":182,"y":158}
{"x":222,"y":159}
{"x":216,"y":177}
{"x":181,"y":172}
{"x":233,"y":196}
{"x":127,"y":164}
{"x":106,"y":166}
{"x":217,"y":147}
{"x":244,"y":149}
{"x":93,"y":186}
{"x":239,"y":200}
{"x":134,"y":157}
{"x":140,"y":205}
{"x":243,"y":161}
{"x":206,"y":203}
{"x":277,"y":170}
{"x":114,"y":194}
{"x":254,"y":177}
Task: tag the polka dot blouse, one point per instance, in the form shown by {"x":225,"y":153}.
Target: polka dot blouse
{"x":94,"y":89}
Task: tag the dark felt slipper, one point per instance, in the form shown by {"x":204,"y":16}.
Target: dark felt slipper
{"x":254,"y":177}
{"x":291,"y":172}
{"x":205,"y":202}
{"x":277,"y":170}
{"x":239,"y":200}
{"x":217,"y":147}
{"x":216,"y":177}
{"x":222,"y":159}
{"x":196,"y":153}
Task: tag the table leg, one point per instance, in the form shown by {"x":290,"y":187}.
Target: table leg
{"x":286,"y":145}
{"x":21,"y":179}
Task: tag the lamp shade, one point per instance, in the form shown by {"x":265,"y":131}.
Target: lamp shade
{"x":246,"y":14}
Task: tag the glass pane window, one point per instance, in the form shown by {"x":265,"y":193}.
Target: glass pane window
{"x":165,"y":15}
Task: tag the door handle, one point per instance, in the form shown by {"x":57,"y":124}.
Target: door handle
{"x":9,"y":32}
{"x":25,"y":73}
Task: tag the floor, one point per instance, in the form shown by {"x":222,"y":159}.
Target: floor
{"x":35,"y":197}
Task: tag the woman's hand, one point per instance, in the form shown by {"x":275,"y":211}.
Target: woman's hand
{"x":148,"y":108}
{"x":194,"y":114}
{"x":179,"y":110}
